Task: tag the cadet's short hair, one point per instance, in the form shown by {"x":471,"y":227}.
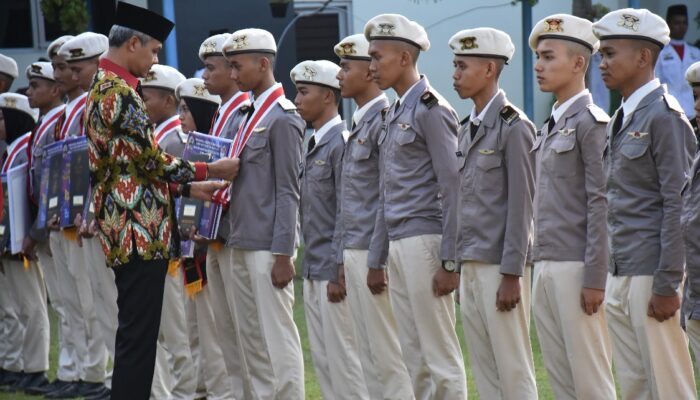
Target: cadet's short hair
{"x":653,"y":48}
{"x":270,"y":57}
{"x":119,"y":35}
{"x":577,"y":49}
{"x":338,"y":97}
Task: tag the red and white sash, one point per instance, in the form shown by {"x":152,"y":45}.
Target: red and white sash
{"x":217,"y":125}
{"x":246,"y":129}
{"x":15,"y":149}
{"x":165,"y":127}
{"x":75,"y":112}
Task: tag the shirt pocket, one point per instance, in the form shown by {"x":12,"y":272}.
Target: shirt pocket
{"x":490,"y":171}
{"x":256,"y":149}
{"x":361,"y":149}
{"x":320,"y":176}
{"x":634,"y":166}
{"x":561,"y":159}
{"x":406,"y":137}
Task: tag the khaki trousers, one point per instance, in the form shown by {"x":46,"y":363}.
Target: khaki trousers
{"x":193,"y":335}
{"x":29,"y":291}
{"x":426,"y":324}
{"x":221,"y":298}
{"x":333,"y":344}
{"x":382,"y":362}
{"x":174,"y":368}
{"x":269,"y":336}
{"x":693,"y":331}
{"x":575,"y":346}
{"x":498,"y":342}
{"x":10,"y":327}
{"x":67,"y":369}
{"x":92,"y":350}
{"x":651,"y":358}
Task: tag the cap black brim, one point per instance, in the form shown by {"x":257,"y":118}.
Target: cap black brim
{"x":633,"y":37}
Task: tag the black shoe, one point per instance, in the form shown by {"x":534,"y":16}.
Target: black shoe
{"x":51,"y":387}
{"x":88,"y":389}
{"x":10,"y":378}
{"x":70,"y":391}
{"x":18,"y":384}
{"x":105,"y":394}
{"x":38,"y":379}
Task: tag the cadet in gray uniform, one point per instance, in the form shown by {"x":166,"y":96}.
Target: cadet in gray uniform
{"x":226,"y":123}
{"x":571,"y":242}
{"x":328,"y":318}
{"x":81,"y":53}
{"x":44,"y":95}
{"x":27,"y":292}
{"x":691,"y":225}
{"x":648,"y":156}
{"x":263,"y":235}
{"x":386,"y":375}
{"x":495,"y":218}
{"x":416,"y":222}
{"x":174,"y":376}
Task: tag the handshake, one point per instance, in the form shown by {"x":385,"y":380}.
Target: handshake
{"x":225,"y":169}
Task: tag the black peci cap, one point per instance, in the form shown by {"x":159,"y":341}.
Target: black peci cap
{"x":143,"y":20}
{"x":676,"y":9}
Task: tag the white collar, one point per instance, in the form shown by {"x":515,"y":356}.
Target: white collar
{"x":258,"y":102}
{"x":630,"y":105}
{"x":52,"y":112}
{"x":360,"y":112}
{"x":476,"y":119}
{"x":558,"y":111}
{"x":71,"y":104}
{"x":166,"y":122}
{"x":405,"y":95}
{"x":676,"y":42}
{"x":319,"y":134}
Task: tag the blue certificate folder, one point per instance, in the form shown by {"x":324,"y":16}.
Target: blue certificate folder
{"x":203,"y":215}
{"x":75,"y":179}
{"x":51,"y":183}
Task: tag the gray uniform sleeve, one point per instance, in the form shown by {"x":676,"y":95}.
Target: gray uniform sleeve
{"x":592,"y":143}
{"x":379,"y":244}
{"x":521,"y":188}
{"x":337,"y":158}
{"x":673,"y":152}
{"x":439,"y":125}
{"x":286,"y":146}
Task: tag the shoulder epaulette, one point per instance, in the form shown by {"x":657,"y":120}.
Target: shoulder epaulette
{"x":598,"y":114}
{"x":672,"y":103}
{"x":429,"y":99}
{"x":384,"y":112}
{"x":509,"y":115}
{"x":465,"y":120}
{"x":287,"y":105}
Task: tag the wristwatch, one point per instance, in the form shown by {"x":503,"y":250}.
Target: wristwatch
{"x":449,"y":266}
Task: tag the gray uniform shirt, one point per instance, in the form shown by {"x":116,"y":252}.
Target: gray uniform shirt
{"x":320,"y":205}
{"x":646,"y":167}
{"x":570,"y":205}
{"x":496,"y":188}
{"x":264,"y":204}
{"x":418,"y":172}
{"x":360,"y":183}
{"x":173,"y":143}
{"x":43,"y":136}
{"x":691,"y":232}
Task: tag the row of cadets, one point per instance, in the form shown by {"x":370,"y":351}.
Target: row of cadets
{"x":380,"y":353}
{"x":649,"y":153}
{"x":494,"y":215}
{"x":570,"y":250}
{"x":174,"y":375}
{"x":8,"y":319}
{"x":89,"y":292}
{"x":227,"y":122}
{"x":263,"y":235}
{"x":690,"y":222}
{"x":197,"y":108}
{"x":416,"y":218}
{"x":328,"y":318}
{"x":43,"y":94}
{"x":26,"y":333}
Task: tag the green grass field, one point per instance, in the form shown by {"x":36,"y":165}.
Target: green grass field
{"x":312,"y":388}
